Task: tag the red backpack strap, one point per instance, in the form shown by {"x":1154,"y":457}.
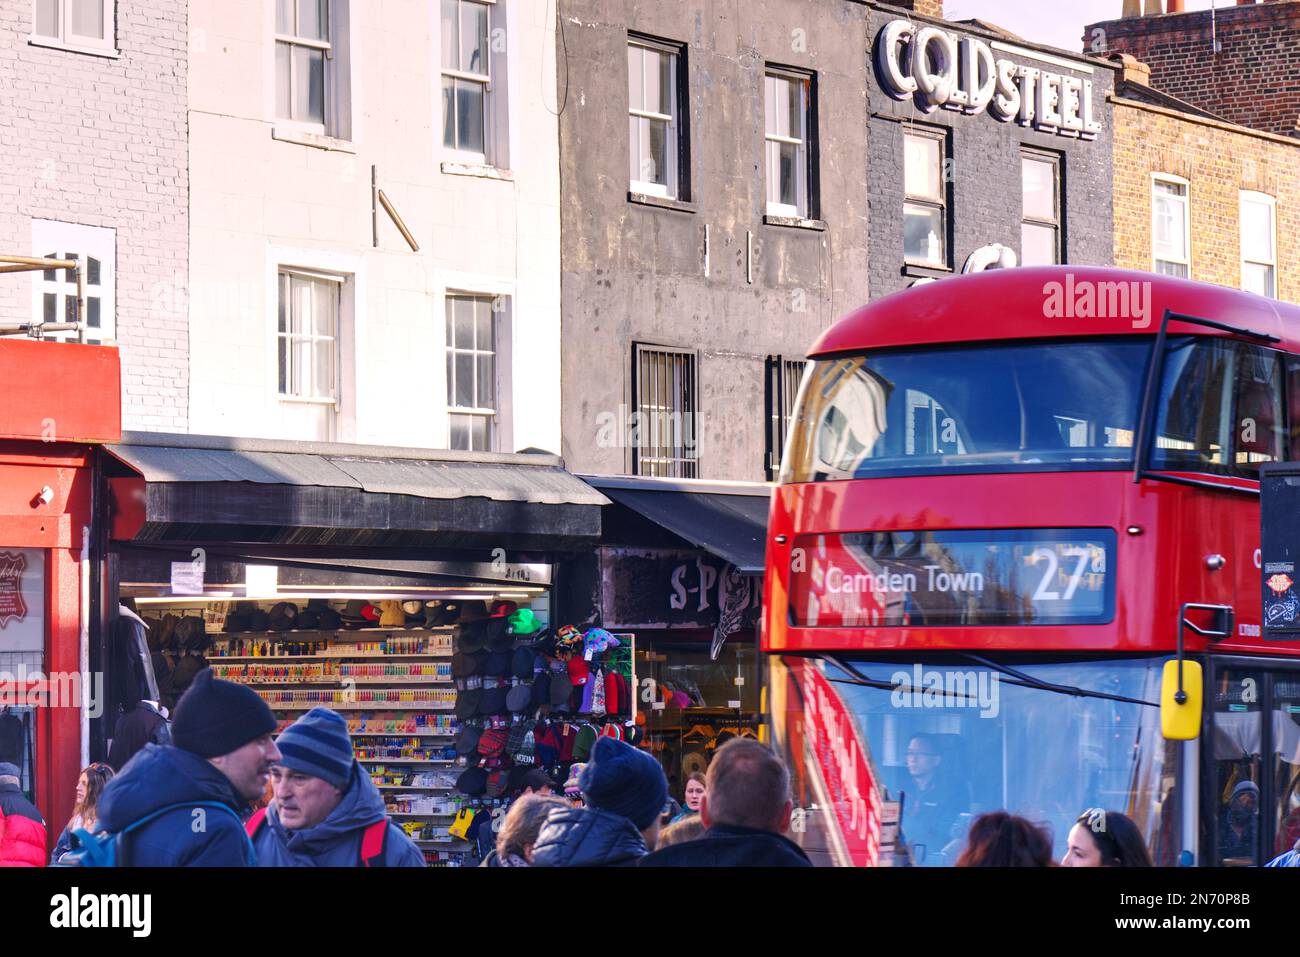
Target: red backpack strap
{"x":372,"y":844}
{"x":254,"y":823}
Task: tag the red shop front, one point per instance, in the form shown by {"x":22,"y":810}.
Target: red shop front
{"x":58,"y":402}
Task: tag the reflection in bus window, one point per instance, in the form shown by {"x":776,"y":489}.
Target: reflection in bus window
{"x":1026,"y":404}
{"x":1194,"y":416}
{"x":1286,"y":767}
{"x":1237,"y":747}
{"x":1260,"y":429}
{"x":955,"y":740}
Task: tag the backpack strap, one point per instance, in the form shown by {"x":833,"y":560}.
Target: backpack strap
{"x":254,"y":823}
{"x":373,"y":839}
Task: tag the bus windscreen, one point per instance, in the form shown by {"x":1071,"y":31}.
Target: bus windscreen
{"x":999,"y":406}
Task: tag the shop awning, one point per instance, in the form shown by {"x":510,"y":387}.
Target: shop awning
{"x":727,"y":519}
{"x":206,"y":488}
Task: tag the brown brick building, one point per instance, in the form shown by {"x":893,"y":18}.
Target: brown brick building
{"x":1195,"y":195}
{"x":1241,"y":63}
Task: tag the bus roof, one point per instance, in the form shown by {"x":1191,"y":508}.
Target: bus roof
{"x":1051,"y":302}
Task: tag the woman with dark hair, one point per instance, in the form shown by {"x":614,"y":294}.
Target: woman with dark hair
{"x":999,"y":839}
{"x":85,"y":812}
{"x":1105,"y":839}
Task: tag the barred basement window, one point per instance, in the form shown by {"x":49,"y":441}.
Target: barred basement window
{"x":665,"y":389}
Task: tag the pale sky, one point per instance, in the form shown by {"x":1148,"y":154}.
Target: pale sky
{"x":1058,"y":23}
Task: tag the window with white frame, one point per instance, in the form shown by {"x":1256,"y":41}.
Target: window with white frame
{"x":308,"y":335}
{"x":654,"y":118}
{"x":302,"y":59}
{"x":787,"y":103}
{"x":925,"y":224}
{"x":1258,"y":243}
{"x":466,"y":76}
{"x":55,"y":290}
{"x":1171,"y":238}
{"x":77,"y":24}
{"x":1040,"y":224}
{"x":472,"y":400}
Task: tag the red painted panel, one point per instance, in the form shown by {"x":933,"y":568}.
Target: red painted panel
{"x":74,"y":392}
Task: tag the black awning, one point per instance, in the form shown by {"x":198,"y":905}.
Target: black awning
{"x":201,"y":488}
{"x":730,"y":522}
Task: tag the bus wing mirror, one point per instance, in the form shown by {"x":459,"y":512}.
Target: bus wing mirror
{"x":1180,"y":711}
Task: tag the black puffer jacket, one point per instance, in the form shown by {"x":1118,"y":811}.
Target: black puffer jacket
{"x":726,"y":846}
{"x":587,"y":837}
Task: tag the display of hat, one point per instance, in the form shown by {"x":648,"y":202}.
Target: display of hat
{"x":492,"y":742}
{"x":467,"y":703}
{"x":566,"y":734}
{"x":498,"y":637}
{"x":540,"y":690}
{"x":519,"y":697}
{"x":493,"y":701}
{"x":236,"y":622}
{"x":571,"y":784}
{"x":521,"y":665}
{"x":503,"y":608}
{"x":473,"y":782}
{"x":284,"y":616}
{"x":561,"y":689}
{"x":308,"y":619}
{"x":480,"y":660}
{"x":568,"y":641}
{"x":467,"y":739}
{"x":633,"y":735}
{"x":469,"y":637}
{"x":583,"y":742}
{"x":612,"y":731}
{"x":329,"y":619}
{"x":391,"y":614}
{"x":681,"y":699}
{"x":522,"y":742}
{"x":497,"y":783}
{"x":413,"y":613}
{"x":438,"y":614}
{"x":597,"y":641}
{"x":546,"y":744}
{"x":524,"y":623}
{"x":259,"y":620}
{"x":498,"y":664}
{"x":578,"y":671}
{"x":462,"y":665}
{"x":473,"y":610}
{"x":544,"y":644}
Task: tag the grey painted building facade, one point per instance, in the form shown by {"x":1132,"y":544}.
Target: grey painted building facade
{"x":682,"y":271}
{"x":1012,"y":170}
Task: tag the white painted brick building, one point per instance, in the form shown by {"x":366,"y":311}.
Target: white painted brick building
{"x":93,"y":162}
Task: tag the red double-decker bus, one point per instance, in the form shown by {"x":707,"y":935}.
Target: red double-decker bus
{"x":1006,"y":501}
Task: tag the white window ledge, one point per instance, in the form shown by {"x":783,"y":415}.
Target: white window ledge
{"x":453,"y":168}
{"x":53,"y":44}
{"x":290,"y":134}
{"x":794,"y":222}
{"x":304,"y":400}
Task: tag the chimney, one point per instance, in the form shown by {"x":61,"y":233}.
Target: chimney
{"x":1135,"y":71}
{"x":1175,"y":6}
{"x":927,"y":8}
{"x":1152,"y":8}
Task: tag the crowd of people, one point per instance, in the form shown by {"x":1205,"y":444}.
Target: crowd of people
{"x":190,"y":803}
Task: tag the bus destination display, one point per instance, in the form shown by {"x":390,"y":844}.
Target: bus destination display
{"x":975,"y":577}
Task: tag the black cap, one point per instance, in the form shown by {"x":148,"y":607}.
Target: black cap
{"x":217,"y":717}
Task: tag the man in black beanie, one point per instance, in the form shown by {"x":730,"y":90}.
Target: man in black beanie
{"x":187,"y":802}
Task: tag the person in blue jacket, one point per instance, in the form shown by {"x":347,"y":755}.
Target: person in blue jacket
{"x":326,"y":811}
{"x":221,"y":759}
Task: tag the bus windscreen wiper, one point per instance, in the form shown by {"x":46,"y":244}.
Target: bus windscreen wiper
{"x":1029,"y":681}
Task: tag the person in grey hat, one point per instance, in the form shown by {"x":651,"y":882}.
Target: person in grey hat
{"x":326,"y":811}
{"x":1239,"y":824}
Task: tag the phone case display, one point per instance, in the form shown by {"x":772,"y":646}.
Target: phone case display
{"x":386,"y":667}
{"x":529,"y":698}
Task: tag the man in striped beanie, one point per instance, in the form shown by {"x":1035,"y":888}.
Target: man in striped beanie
{"x":326,"y":811}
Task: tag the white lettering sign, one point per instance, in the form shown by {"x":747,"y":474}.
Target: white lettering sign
{"x":960,"y":73}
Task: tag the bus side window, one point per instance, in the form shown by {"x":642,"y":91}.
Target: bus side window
{"x":1236,"y":757}
{"x":1293,"y":407}
{"x":1259,"y":425}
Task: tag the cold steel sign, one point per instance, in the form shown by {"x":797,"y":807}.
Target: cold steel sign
{"x":941,"y":69}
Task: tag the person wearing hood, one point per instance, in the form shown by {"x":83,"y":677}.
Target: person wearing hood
{"x":198,"y":789}
{"x":625,"y":790}
{"x":326,"y":811}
